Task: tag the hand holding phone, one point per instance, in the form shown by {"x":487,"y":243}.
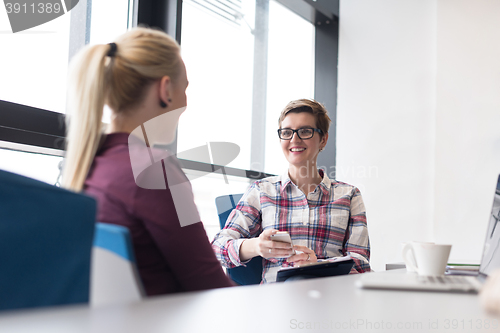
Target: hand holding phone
{"x":284,"y":237}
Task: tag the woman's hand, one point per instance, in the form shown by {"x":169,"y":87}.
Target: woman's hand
{"x":265,"y":247}
{"x":306,"y":257}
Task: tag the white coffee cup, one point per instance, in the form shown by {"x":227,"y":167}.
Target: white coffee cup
{"x":427,"y":259}
{"x":412,"y":258}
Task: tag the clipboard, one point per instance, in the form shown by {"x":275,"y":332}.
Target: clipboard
{"x":316,"y":270}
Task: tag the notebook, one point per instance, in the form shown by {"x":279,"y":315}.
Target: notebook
{"x":489,"y":262}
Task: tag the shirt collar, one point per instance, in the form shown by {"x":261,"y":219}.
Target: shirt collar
{"x":285,"y":181}
{"x":324,"y":186}
{"x":326,"y":183}
{"x":112,"y":140}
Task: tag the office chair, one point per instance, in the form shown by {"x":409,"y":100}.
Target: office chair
{"x":114,"y":274}
{"x":46,"y":237}
{"x":252,"y":273}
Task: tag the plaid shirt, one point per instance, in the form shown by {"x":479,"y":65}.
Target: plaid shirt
{"x":331,"y":221}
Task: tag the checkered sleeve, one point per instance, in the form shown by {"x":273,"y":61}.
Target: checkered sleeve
{"x":244,"y":222}
{"x":356,"y":242}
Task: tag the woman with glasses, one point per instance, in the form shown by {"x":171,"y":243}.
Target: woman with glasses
{"x":324,"y":217}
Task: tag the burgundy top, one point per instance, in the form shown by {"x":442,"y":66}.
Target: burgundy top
{"x":170,"y":258}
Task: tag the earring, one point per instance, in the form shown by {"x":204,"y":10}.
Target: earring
{"x":163,"y":104}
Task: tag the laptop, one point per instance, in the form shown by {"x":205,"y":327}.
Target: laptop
{"x":452,"y":283}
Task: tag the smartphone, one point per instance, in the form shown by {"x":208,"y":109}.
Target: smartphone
{"x":282,"y":236}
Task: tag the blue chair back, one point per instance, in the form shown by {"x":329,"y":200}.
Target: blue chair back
{"x":46,"y":237}
{"x":252,"y":273}
{"x":114,"y":238}
{"x":115,"y":278}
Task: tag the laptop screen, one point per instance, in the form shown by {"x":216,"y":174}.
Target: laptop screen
{"x":491,"y":252}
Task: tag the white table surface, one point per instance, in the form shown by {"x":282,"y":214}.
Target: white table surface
{"x":321,"y":305}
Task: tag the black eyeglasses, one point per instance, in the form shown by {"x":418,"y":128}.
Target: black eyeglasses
{"x":303,"y":133}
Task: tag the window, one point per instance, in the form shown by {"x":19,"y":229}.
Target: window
{"x":109,"y":19}
{"x":290,"y":74}
{"x":38,"y":166}
{"x":230,"y":55}
{"x":34,"y":63}
{"x":34,"y":72}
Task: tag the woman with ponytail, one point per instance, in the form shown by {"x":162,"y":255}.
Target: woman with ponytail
{"x":142,"y":78}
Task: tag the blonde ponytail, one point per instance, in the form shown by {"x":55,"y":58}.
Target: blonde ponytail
{"x":142,"y":56}
{"x":86,"y":98}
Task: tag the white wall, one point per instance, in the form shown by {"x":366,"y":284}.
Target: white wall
{"x":418,"y":119}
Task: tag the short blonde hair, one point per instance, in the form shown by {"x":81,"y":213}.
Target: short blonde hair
{"x":311,"y":106}
{"x":119,"y":80}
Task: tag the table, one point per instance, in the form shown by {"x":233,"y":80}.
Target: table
{"x":332,"y":304}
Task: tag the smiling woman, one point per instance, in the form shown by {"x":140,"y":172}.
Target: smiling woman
{"x":325,"y":218}
{"x":301,"y":151}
